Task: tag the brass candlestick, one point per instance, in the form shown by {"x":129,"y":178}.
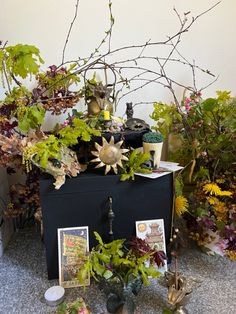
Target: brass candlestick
{"x":179,"y":286}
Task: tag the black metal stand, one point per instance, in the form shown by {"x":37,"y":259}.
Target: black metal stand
{"x":111,"y":217}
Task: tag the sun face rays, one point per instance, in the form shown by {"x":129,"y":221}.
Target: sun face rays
{"x":109,"y":155}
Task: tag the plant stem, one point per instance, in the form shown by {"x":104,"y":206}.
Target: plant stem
{"x":69,"y":32}
{"x":176,"y":273}
{"x":6,"y":78}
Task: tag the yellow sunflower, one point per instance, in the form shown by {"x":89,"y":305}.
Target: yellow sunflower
{"x":181,"y":205}
{"x":212,"y":189}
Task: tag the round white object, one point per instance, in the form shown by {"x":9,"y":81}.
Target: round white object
{"x":54,"y":295}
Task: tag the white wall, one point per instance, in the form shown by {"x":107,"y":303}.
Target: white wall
{"x":210,"y":42}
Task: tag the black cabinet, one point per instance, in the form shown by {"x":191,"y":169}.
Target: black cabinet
{"x":83,"y":201}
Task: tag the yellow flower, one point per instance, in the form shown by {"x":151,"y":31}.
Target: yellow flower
{"x":231,"y":255}
{"x":181,"y":205}
{"x":212,"y":200}
{"x":225,"y":193}
{"x":220,"y":207}
{"x":3,"y":119}
{"x":222,"y":217}
{"x":212,"y":188}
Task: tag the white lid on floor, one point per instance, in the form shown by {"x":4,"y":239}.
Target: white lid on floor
{"x":54,"y":295}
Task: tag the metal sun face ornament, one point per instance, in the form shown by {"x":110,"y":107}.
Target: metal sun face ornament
{"x":109,"y":155}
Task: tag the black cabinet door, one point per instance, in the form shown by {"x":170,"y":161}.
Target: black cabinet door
{"x":83,"y":201}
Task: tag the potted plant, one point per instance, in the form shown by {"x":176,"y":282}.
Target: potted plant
{"x":75,"y":307}
{"x":122,"y":271}
{"x":152,"y":144}
{"x":204,"y":131}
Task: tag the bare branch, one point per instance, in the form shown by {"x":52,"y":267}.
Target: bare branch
{"x":15,"y":80}
{"x":111,"y":26}
{"x":69,"y":32}
{"x":144,"y":103}
{"x":194,"y":76}
{"x":6,"y":77}
{"x":208,"y":10}
{"x":86,"y":60}
{"x":98,"y":61}
{"x":211,"y":83}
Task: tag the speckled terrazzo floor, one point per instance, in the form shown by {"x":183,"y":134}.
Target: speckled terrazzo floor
{"x":23,"y":281}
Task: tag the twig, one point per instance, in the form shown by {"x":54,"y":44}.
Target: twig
{"x":86,"y":60}
{"x":111,"y":26}
{"x":211,"y":83}
{"x":215,"y":167}
{"x":163,"y":59}
{"x":208,"y":10}
{"x":69,"y":32}
{"x":94,"y":60}
{"x":6,"y":78}
{"x":140,"y":55}
{"x":15,"y":80}
{"x":144,"y":103}
{"x":176,"y":273}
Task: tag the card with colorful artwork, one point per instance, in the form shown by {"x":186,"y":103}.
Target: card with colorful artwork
{"x":73,"y":247}
{"x":154,"y":233}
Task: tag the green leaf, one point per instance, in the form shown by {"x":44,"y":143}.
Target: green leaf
{"x":99,"y":269}
{"x":122,"y":261}
{"x":136,"y":159}
{"x":209,"y":104}
{"x":86,"y":136}
{"x":76,"y":113}
{"x":203,"y":173}
{"x":133,"y":156}
{"x":151,"y":271}
{"x":220,"y":225}
{"x":104,"y":257}
{"x":23,"y":60}
{"x":82,"y":275}
{"x":49,"y":148}
{"x":115,"y":246}
{"x":74,"y":311}
{"x":70,"y":135}
{"x":179,"y":186}
{"x":201,"y":212}
{"x":223,"y":96}
{"x":30,"y":117}
{"x":144,"y":275}
{"x":98,"y":237}
{"x":1,"y":59}
{"x":62,"y":308}
{"x":125,"y":176}
{"x":166,"y":311}
{"x":107,"y":274}
{"x":165,"y":115}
